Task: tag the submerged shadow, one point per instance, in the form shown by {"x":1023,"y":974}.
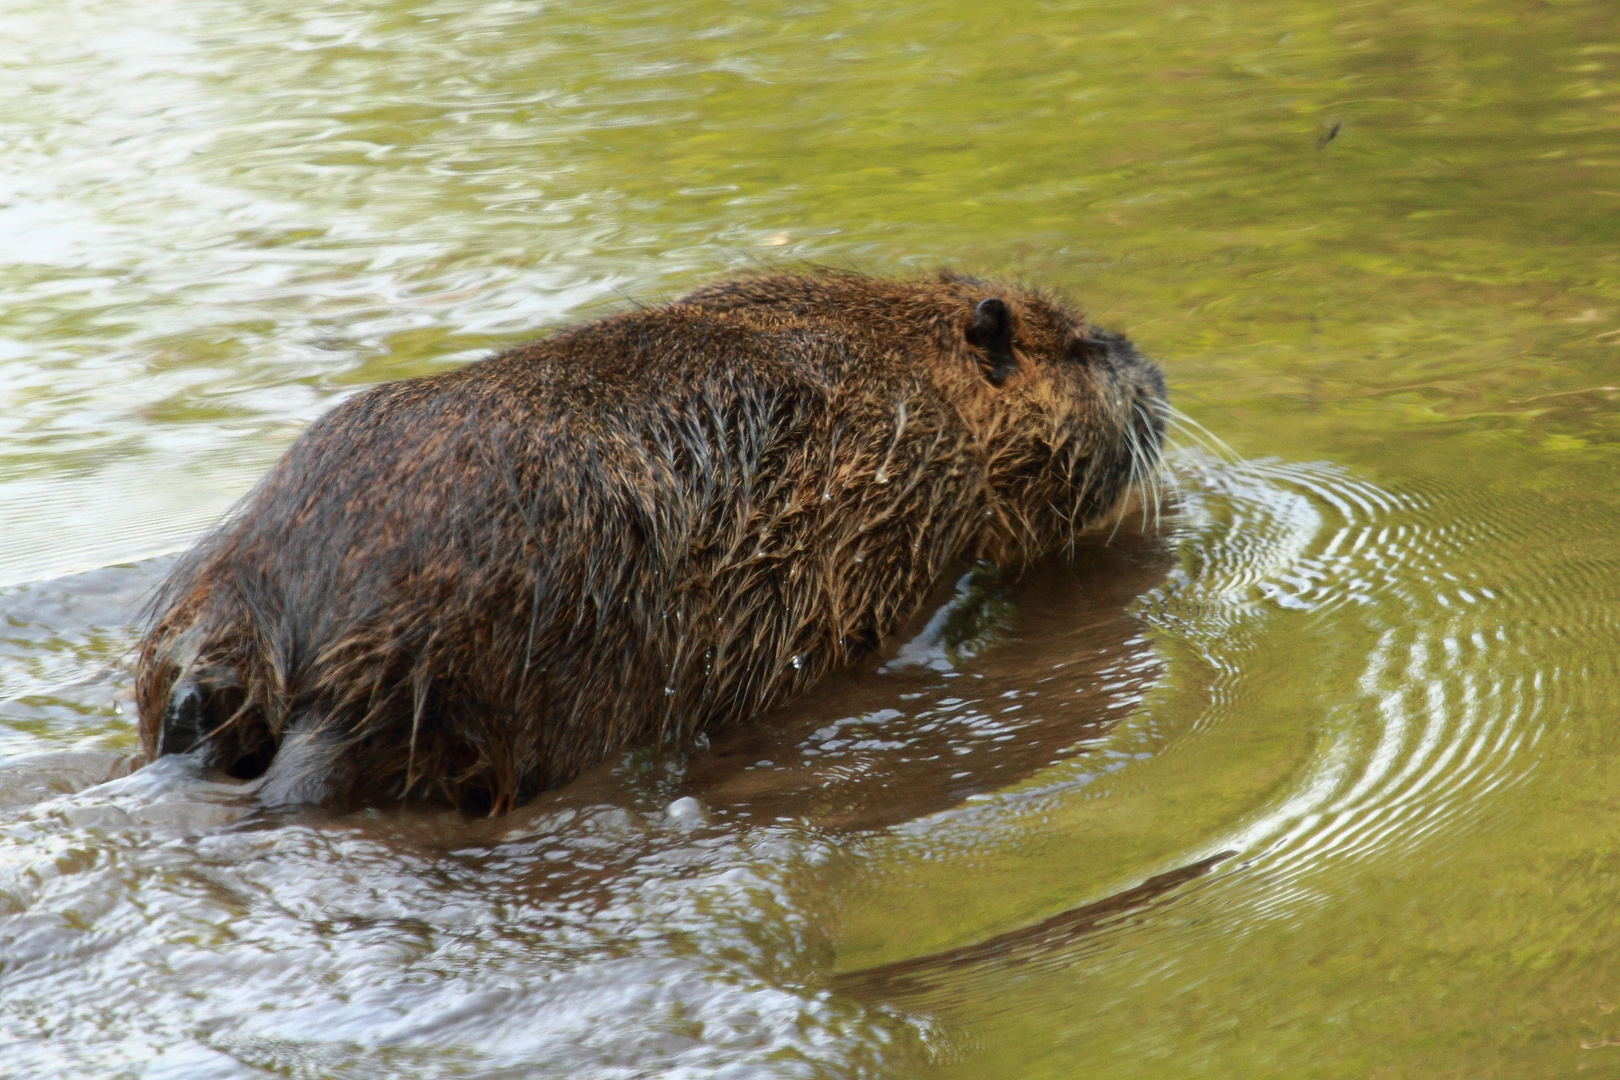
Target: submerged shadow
{"x":996,"y":679}
{"x":1027,"y":946}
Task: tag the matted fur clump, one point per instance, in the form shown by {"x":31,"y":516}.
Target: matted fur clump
{"x":473,"y":586}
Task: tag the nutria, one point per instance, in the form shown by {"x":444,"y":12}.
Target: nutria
{"x":472,"y":586}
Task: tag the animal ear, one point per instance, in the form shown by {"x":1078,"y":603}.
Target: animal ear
{"x":991,"y":333}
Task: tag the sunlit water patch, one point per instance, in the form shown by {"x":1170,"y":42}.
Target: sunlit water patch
{"x":155,"y":928}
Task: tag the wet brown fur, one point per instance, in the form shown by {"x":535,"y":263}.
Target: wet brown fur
{"x":471,"y":587}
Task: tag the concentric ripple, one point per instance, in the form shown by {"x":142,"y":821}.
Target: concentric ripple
{"x":1432,"y":687}
{"x":1443,"y":707}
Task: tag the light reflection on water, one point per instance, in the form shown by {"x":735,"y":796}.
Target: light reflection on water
{"x":159,"y":916}
{"x":1316,"y":780}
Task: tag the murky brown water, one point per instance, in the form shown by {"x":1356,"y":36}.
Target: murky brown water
{"x":1315,"y":777}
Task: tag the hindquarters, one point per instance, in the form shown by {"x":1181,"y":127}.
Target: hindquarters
{"x":387,"y":614}
{"x":443,"y":591}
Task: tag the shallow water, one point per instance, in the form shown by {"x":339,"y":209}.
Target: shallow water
{"x":1316,"y":776}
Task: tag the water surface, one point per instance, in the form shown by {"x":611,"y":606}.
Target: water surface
{"x":1314,"y":776}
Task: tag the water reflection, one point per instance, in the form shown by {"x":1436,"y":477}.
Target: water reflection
{"x":599,"y":929}
{"x":668,"y":908}
{"x":1429,"y":698}
{"x":917,"y":732}
{"x":1387,"y":684}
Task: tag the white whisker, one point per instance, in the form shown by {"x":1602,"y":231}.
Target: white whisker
{"x":1130,"y":480}
{"x":1200,"y":433}
{"x":1157,"y":472}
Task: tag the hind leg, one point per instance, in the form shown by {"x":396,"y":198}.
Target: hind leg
{"x":309,"y":767}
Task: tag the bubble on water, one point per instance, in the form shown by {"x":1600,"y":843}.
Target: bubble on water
{"x":687,"y":813}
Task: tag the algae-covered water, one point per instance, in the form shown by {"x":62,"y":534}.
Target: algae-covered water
{"x":1316,"y":776}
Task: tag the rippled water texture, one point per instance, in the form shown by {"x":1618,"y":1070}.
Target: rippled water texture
{"x":1316,"y":776}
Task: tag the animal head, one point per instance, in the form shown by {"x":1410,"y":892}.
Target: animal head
{"x":1071,"y":416}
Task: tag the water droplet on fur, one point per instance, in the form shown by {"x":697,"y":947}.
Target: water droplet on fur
{"x":798,"y":661}
{"x":882,"y":476}
{"x":669,"y":690}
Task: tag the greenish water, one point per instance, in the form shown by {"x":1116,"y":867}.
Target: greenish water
{"x":1362,"y":685}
